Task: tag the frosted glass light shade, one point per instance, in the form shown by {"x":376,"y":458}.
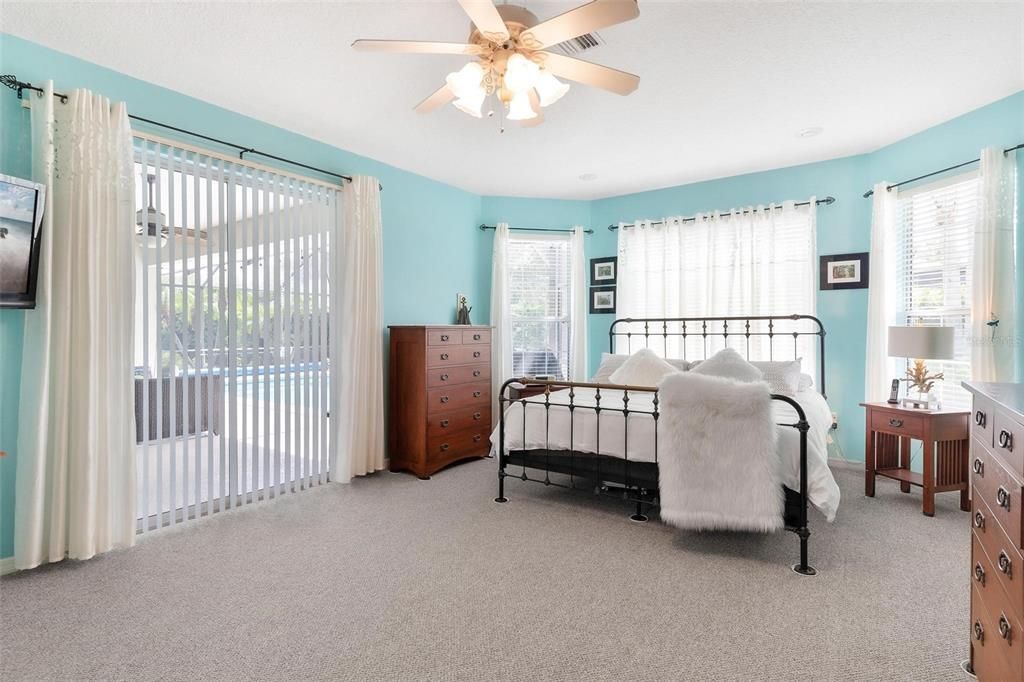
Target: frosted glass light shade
{"x":519,"y":109}
{"x":921,"y":343}
{"x":466,"y":81}
{"x":520,"y":73}
{"x":471,"y":102}
{"x":550,"y":88}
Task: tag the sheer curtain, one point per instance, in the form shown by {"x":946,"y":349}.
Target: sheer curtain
{"x":501,"y":348}
{"x":881,"y":302}
{"x":357,"y":344}
{"x":993,"y":286}
{"x":75,"y":481}
{"x":758,"y":261}
{"x":578,"y":333}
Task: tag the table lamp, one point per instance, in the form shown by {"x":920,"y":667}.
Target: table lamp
{"x":920,"y":344}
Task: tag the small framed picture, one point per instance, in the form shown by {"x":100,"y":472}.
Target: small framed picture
{"x":602,"y":300}
{"x":844,"y":271}
{"x":603,"y":271}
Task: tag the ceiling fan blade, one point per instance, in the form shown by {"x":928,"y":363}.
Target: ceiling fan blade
{"x":485,"y":17}
{"x":414,"y":47}
{"x":436,"y":100}
{"x":604,"y":77}
{"x":593,"y":16}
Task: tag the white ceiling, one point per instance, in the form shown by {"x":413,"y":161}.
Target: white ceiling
{"x":725,"y":87}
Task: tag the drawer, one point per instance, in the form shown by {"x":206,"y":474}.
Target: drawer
{"x":447,"y":376}
{"x":982,"y":419}
{"x":456,"y":445}
{"x":995,"y":639}
{"x":444,"y":423}
{"x":999,"y":489}
{"x":996,"y":568}
{"x":444,"y":337}
{"x":476,"y":336}
{"x":442,"y":356}
{"x":897,"y":423}
{"x":449,"y":398}
{"x":1008,"y":441}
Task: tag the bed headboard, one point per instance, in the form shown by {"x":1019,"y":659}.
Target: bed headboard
{"x":757,"y":337}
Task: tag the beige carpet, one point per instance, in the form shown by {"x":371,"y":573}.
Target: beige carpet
{"x":396,"y":578}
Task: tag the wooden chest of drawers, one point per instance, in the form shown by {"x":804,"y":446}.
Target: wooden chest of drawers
{"x":997,"y":538}
{"x":439,"y":396}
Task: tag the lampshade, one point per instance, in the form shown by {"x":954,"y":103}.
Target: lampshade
{"x":471,"y":102}
{"x":519,"y":109}
{"x":550,"y":88}
{"x":921,"y":343}
{"x":466,"y":81}
{"x":520,"y":73}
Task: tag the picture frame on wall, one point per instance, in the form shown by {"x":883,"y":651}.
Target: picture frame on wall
{"x":602,"y":300}
{"x":843,"y":271}
{"x":604,"y":271}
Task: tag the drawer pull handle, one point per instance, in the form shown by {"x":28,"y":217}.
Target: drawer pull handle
{"x":444,"y":356}
{"x":476,"y":372}
{"x":444,"y":423}
{"x":444,"y":377}
{"x":444,"y":399}
{"x":1006,"y":439}
{"x":1005,"y":565}
{"x":979,"y":632}
{"x":979,"y":467}
{"x":979,"y":418}
{"x":979,"y":520}
{"x":896,"y":422}
{"x":979,"y":573}
{"x":476,"y":354}
{"x":444,"y":337}
{"x":476,"y":416}
{"x":476,"y":438}
{"x":444,"y":446}
{"x":1004,"y":627}
{"x":476,"y":394}
{"x":476,"y":337}
{"x":1003,"y":497}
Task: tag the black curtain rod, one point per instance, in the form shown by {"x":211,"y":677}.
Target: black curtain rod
{"x":13,"y":83}
{"x":531,"y":229}
{"x":690,"y":219}
{"x":889,"y":188}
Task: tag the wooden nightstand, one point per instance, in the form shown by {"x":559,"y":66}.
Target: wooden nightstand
{"x":888,"y":432}
{"x":528,"y":390}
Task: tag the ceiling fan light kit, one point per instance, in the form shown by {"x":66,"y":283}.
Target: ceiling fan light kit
{"x":511,"y":60}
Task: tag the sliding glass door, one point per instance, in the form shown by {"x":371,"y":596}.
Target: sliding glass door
{"x":232,"y":328}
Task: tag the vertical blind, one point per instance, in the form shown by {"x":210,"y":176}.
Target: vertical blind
{"x":934,"y":250}
{"x":232,"y":331}
{"x":540,"y":300}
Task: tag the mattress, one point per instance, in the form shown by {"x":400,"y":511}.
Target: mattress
{"x":529,"y":426}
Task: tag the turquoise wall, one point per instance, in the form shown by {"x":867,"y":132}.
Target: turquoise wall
{"x":433,"y":249}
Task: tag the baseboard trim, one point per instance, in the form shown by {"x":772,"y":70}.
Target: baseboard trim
{"x":836,"y":463}
{"x":7,"y":565}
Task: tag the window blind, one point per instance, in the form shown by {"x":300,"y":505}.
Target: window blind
{"x":934,"y":250}
{"x":539,"y":273}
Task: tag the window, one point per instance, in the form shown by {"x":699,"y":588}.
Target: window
{"x":934,"y":249}
{"x":539,"y":272}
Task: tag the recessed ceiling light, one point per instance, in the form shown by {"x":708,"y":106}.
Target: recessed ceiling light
{"x":587,"y":177}
{"x":811,"y":132}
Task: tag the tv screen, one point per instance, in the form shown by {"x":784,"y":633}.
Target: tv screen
{"x":21,"y":216}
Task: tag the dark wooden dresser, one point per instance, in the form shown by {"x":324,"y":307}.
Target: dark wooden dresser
{"x":439,"y":396}
{"x":997,"y":512}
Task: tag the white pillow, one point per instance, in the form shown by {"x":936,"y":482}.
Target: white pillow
{"x":611,"y":362}
{"x":730,"y":364}
{"x":782,"y":376}
{"x":643,"y":368}
{"x":806,"y":382}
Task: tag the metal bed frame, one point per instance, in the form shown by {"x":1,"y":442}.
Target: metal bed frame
{"x":637,"y":481}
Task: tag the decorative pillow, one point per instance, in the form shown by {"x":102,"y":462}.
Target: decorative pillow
{"x":730,"y":364}
{"x":783,"y":376}
{"x":643,"y":368}
{"x":611,"y":362}
{"x":806,"y":382}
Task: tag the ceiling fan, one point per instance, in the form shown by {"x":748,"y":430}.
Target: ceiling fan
{"x":513,"y":60}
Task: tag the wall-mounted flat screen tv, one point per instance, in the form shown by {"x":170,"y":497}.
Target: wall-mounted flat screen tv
{"x":21,"y":217}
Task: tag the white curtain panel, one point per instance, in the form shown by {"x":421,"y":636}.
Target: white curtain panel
{"x":993,"y":296}
{"x":881,"y":303}
{"x":75,"y":481}
{"x":761,"y":261}
{"x":578,"y":334}
{"x":358,"y":383}
{"x":501,"y":347}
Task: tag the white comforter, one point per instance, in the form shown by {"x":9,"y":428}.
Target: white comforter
{"x":822,"y":490}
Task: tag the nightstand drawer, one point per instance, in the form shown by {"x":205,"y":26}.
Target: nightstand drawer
{"x":999,"y":489}
{"x":1008,"y":441}
{"x":900,"y":424}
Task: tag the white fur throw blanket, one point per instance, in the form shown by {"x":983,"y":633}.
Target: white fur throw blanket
{"x":718,"y":464}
